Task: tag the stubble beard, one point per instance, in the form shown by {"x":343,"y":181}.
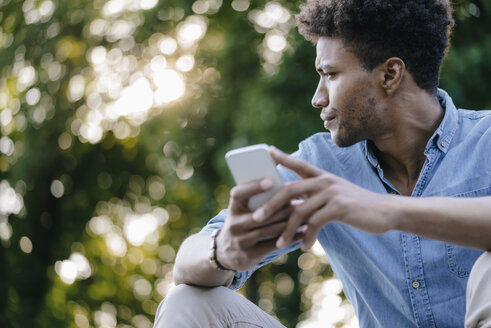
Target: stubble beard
{"x":357,"y":126}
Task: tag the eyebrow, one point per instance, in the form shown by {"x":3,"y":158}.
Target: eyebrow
{"x":323,"y":67}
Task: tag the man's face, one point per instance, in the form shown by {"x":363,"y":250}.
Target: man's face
{"x":346,"y":94}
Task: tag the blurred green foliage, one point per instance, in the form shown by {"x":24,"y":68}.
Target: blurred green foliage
{"x":95,"y":199}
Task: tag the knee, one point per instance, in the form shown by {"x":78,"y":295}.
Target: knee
{"x":189,"y":295}
{"x":175,"y":307}
{"x":185,"y":304}
{"x":182,"y":297}
{"x":181,"y":293}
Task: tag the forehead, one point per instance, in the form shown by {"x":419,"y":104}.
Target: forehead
{"x":332,"y":52}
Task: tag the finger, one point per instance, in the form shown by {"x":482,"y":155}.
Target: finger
{"x":297,"y":238}
{"x":301,"y":215}
{"x":268,"y":232}
{"x":263,"y":248}
{"x":240,"y":194}
{"x":243,"y":223}
{"x":280,"y":215}
{"x":291,"y":191}
{"x":303,"y":169}
{"x":316,"y":222}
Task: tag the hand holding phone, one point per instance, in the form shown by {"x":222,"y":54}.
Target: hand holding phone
{"x":254,"y":163}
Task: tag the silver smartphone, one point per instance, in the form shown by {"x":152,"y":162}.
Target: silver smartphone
{"x":253,"y":163}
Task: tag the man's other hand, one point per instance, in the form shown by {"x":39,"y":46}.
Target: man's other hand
{"x":326,"y":198}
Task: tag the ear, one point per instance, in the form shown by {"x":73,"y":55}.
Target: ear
{"x":393,"y":70}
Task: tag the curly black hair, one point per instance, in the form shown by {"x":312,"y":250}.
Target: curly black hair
{"x":417,"y":31}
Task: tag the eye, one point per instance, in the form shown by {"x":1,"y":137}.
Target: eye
{"x":331,"y":75}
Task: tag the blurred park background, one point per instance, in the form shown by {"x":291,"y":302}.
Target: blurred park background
{"x":115,"y":117}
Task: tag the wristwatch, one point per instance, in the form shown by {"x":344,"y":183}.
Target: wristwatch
{"x":212,"y":252}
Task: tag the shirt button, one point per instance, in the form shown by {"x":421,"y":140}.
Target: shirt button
{"x":415,"y":284}
{"x":393,"y":192}
{"x":442,"y":143}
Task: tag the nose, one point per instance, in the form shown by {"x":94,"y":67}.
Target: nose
{"x":321,"y":96}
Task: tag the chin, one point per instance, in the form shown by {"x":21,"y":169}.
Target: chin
{"x":343,"y":141}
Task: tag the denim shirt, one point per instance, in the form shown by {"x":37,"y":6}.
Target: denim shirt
{"x":398,"y":279}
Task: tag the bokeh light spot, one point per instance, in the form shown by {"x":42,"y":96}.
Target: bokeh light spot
{"x":240,"y":5}
{"x":168,"y":46}
{"x":25,"y":244}
{"x":185,"y":63}
{"x":170,"y":86}
{"x":57,"y":188}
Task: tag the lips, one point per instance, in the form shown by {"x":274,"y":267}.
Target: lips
{"x":327,"y":118}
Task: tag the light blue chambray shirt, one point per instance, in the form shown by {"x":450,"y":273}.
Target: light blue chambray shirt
{"x":398,"y":279}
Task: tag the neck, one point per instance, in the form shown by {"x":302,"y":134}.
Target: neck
{"x":414,"y":117}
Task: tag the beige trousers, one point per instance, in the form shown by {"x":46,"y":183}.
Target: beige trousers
{"x":478,"y":297}
{"x":192,"y":307}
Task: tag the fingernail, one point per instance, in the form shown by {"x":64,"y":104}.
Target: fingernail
{"x":266,"y":184}
{"x":302,"y":229}
{"x":258,"y":214}
{"x":280,"y":243}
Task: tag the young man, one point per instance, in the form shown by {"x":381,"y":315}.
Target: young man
{"x":397,"y":193}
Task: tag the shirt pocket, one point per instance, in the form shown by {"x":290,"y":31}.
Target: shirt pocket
{"x":460,"y":259}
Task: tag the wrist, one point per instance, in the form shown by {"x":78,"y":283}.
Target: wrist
{"x":394,"y":210}
{"x":213,"y":252}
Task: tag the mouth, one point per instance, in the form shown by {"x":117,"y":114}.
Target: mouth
{"x":328,"y":119}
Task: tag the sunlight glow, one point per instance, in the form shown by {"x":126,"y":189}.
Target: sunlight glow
{"x":26,"y":78}
{"x":138,"y":228}
{"x":115,"y":244}
{"x":76,"y":267}
{"x":328,"y":309}
{"x":76,"y":88}
{"x":37,"y":12}
{"x":10,"y":201}
{"x":5,"y":230}
{"x":148,"y":4}
{"x":67,"y":271}
{"x":191,"y":30}
{"x":135,"y":99}
{"x":168,"y":46}
{"x":6,"y":117}
{"x":105,"y":319}
{"x":185,"y":63}
{"x":142,"y":288}
{"x":33,"y":96}
{"x":276,"y":42}
{"x":7,"y":146}
{"x":275,"y":22}
{"x":91,"y":132}
{"x":170,"y":86}
{"x":97,"y":55}
{"x":100,"y":225}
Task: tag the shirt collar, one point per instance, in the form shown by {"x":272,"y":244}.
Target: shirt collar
{"x":446,"y":130}
{"x":441,"y":138}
